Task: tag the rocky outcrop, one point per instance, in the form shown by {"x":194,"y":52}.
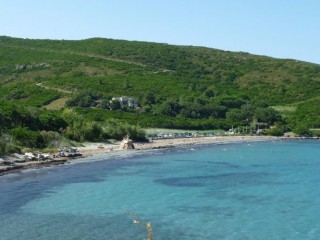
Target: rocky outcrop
{"x":24,"y":67}
{"x":126,"y":144}
{"x":43,"y":65}
{"x":21,"y":67}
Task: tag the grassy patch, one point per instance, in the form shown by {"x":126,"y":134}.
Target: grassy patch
{"x":285,"y":109}
{"x":57,"y":104}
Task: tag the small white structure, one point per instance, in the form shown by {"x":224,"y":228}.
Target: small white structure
{"x":126,"y":101}
{"x":231,"y":132}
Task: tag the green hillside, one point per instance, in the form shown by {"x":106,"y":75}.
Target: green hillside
{"x":176,"y":86}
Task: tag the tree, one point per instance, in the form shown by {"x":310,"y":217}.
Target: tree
{"x":276,"y":131}
{"x":28,"y":138}
{"x":235,"y":115}
{"x":82,"y":99}
{"x":115,"y":104}
{"x":266,"y":115}
{"x":50,"y":121}
{"x":169,"y":108}
{"x":86,"y":101}
{"x":210,"y":92}
{"x":150,"y":99}
{"x":104,"y":104}
{"x":82,"y":130}
{"x":302,"y":130}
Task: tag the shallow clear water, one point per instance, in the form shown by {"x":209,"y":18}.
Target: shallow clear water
{"x":266,"y":190}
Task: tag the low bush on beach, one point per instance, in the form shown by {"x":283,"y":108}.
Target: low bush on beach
{"x":276,"y":131}
{"x":25,"y":137}
{"x":7,"y":145}
{"x":117,"y":130}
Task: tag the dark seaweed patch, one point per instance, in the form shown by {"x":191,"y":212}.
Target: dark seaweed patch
{"x":218,"y":180}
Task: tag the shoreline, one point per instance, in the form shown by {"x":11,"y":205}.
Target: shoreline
{"x":104,"y":151}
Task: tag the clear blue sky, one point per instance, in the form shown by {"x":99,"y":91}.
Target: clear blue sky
{"x":277,"y":28}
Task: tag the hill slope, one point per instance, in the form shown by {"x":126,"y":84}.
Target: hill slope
{"x":174,"y":82}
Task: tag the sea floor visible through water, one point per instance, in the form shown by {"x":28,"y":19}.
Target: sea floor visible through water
{"x":258,"y":190}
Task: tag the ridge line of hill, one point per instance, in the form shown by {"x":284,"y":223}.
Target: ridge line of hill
{"x":88,"y":55}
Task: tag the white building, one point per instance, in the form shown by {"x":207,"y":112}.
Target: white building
{"x":126,"y":101}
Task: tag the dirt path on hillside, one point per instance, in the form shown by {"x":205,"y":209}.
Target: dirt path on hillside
{"x":52,"y":88}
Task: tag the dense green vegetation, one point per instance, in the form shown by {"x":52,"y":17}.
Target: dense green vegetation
{"x":29,"y":127}
{"x":177,"y":87}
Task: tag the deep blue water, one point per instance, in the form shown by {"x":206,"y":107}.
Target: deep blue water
{"x":266,"y":190}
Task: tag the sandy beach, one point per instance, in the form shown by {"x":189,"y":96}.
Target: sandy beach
{"x":107,"y":151}
{"x":167,"y":143}
{"x":90,"y":149}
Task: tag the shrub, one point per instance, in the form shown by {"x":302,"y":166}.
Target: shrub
{"x":276,"y":131}
{"x":51,"y":139}
{"x":25,"y":137}
{"x":118,"y":130}
{"x":81,"y":130}
{"x":302,"y":131}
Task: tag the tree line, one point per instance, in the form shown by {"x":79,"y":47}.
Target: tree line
{"x":26,"y":127}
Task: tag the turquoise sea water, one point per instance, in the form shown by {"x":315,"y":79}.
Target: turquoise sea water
{"x":265,"y":190}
